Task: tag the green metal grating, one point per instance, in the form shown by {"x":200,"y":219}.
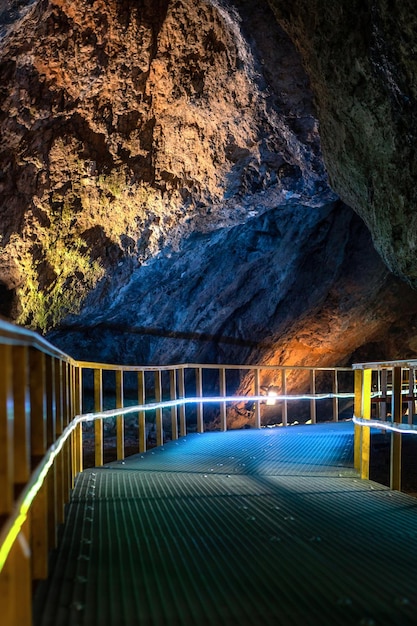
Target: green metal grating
{"x":266,"y":526}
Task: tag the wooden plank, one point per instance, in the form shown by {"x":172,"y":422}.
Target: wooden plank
{"x":37,"y":405}
{"x":59,"y":464}
{"x":6,"y":431}
{"x":50,"y":400}
{"x":22,"y":579}
{"x":120,"y":421}
{"x":66,"y":453}
{"x":21,"y":416}
{"x":39,"y":535}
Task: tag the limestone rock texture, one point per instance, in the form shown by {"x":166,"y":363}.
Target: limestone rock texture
{"x":163,"y":195}
{"x":361,"y":59}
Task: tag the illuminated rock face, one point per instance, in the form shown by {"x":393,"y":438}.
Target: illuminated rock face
{"x":163,"y":196}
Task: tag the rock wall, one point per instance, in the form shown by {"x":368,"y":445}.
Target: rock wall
{"x":162,"y":191}
{"x":360,"y":57}
{"x":125,"y":126}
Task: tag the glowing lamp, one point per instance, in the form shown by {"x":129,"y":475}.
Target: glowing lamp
{"x":272,"y":395}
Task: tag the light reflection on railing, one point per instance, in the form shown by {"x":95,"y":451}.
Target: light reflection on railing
{"x":46,"y":398}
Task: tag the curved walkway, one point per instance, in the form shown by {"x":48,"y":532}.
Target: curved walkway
{"x":253,"y":527}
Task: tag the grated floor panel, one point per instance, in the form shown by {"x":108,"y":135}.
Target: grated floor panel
{"x":266,"y":526}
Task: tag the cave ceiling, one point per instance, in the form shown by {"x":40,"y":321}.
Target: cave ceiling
{"x":209,"y":181}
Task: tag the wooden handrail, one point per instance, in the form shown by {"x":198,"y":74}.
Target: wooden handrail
{"x":43,"y":395}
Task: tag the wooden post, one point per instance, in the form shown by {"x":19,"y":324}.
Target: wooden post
{"x":181,"y":391}
{"x":313,"y":415}
{"x":396,"y":409}
{"x":257,"y":403}
{"x":66,"y":453}
{"x":158,"y":412}
{"x":284,"y":402}
{"x":383,"y":397}
{"x":16,"y":583}
{"x":335,"y":399}
{"x":78,"y":433}
{"x":38,"y":520}
{"x":60,"y":467}
{"x":21,"y":417}
{"x":357,"y":412}
{"x":98,"y":424}
{"x":365,"y":430}
{"x":50,"y":439}
{"x":411,"y":397}
{"x":199,"y":393}
{"x":37,"y":405}
{"x":6,"y":431}
{"x":141,"y":416}
{"x":222,"y":385}
{"x":120,"y":422}
{"x":173,"y":396}
{"x":22,"y":578}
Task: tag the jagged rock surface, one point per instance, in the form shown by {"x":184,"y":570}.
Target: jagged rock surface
{"x":361,"y":60}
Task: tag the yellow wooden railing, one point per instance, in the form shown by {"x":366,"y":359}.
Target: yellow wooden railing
{"x":46,"y":398}
{"x":385,"y":398}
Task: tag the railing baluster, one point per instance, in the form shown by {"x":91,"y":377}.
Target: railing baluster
{"x":66,"y":453}
{"x":313,"y":413}
{"x":335,"y":399}
{"x":6,"y":432}
{"x":366,"y":431}
{"x":37,"y":405}
{"x":141,"y":416}
{"x":78,"y":386}
{"x":395,"y":464}
{"x":181,"y":391}
{"x":120,"y":420}
{"x":158,"y":412}
{"x":383,"y":397}
{"x":39,"y":526}
{"x":357,"y":411}
{"x":22,"y":579}
{"x":410,"y":403}
{"x":98,"y":424}
{"x":173,"y":396}
{"x":257,"y":403}
{"x":60,"y":470}
{"x":50,"y":439}
{"x":222,"y":386}
{"x":199,"y":394}
{"x":284,"y":392}
{"x":21,"y":417}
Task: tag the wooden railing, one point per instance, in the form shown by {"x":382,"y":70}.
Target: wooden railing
{"x":385,"y":398}
{"x":47,"y":400}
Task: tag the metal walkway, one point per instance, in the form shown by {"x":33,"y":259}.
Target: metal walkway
{"x":249,"y":527}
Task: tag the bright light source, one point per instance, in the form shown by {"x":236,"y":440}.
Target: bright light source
{"x":271,"y":397}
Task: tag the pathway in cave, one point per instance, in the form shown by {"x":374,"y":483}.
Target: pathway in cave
{"x":269,"y":526}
